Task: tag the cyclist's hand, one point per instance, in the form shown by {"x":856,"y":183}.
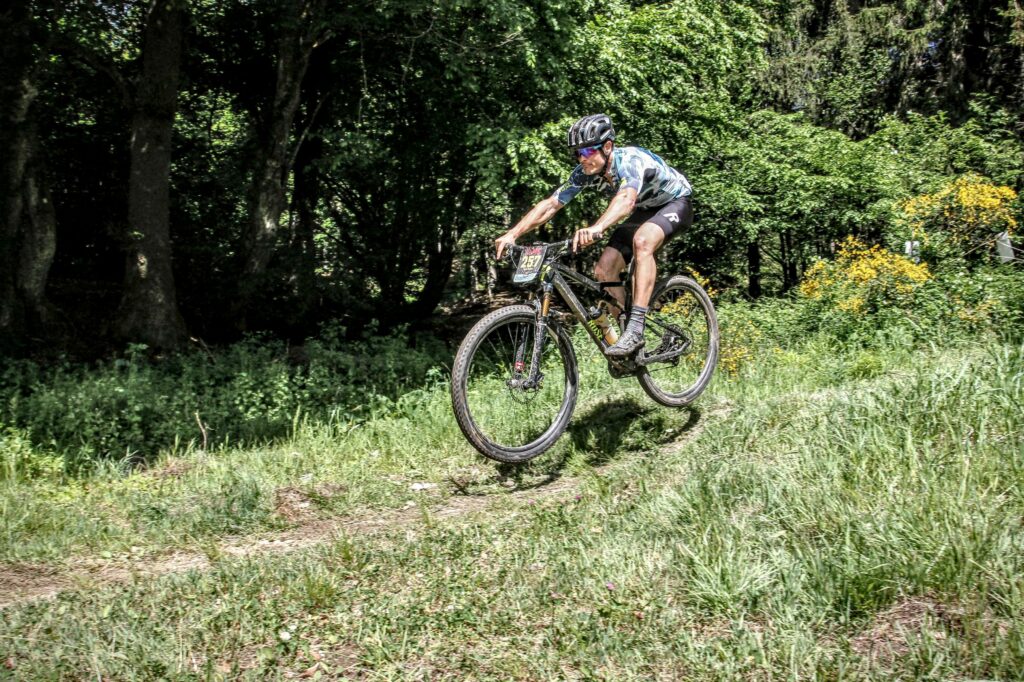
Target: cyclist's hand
{"x":586,"y":237}
{"x":502,"y":242}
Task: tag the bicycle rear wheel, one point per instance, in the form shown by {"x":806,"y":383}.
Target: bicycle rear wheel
{"x":503,"y":418}
{"x":681,"y":346}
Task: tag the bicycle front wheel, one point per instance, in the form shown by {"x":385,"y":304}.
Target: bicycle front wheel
{"x":506,"y":414}
{"x":681,"y":349}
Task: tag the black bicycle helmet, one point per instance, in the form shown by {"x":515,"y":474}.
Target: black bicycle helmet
{"x":591,"y":130}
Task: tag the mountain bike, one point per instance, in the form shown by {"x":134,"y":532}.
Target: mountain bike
{"x":515,"y":377}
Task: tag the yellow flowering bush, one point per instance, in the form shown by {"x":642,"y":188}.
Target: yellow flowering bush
{"x":740,"y":343}
{"x":965,"y":213}
{"x":704,"y":282}
{"x":862,"y":276}
{"x":862,"y":280}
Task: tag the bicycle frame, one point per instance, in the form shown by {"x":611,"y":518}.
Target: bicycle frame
{"x":555,"y":277}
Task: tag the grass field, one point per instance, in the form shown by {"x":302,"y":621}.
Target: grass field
{"x":823,"y":514}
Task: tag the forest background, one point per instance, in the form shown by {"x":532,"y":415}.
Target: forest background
{"x":201,"y":170}
{"x":240,"y":239}
{"x":313,"y":188}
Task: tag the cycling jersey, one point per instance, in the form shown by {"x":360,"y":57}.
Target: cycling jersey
{"x":656,"y":183}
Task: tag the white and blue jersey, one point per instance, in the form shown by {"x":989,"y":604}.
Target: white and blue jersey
{"x":656,"y":183}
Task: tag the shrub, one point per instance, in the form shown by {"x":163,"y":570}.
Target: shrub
{"x":863,"y":288}
{"x":131,"y":407}
{"x":740,"y":339}
{"x":985,"y":299}
{"x":19,"y":460}
{"x":960,"y":218}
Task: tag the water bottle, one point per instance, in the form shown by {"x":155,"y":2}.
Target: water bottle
{"x":604,"y":321}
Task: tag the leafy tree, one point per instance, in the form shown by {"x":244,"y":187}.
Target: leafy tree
{"x":847,"y":63}
{"x":355,"y":162}
{"x":27,"y":221}
{"x":149,"y":308}
{"x":787,"y":190}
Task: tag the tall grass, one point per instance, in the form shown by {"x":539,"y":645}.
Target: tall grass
{"x":130,"y":408}
{"x":840,"y":504}
{"x":825,"y":495}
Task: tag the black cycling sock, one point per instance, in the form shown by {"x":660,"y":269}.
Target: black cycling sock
{"x":637,"y":318}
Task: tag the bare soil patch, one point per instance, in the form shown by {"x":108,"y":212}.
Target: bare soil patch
{"x":298,"y":504}
{"x":891,"y":632}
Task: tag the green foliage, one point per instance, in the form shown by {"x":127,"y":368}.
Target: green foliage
{"x":850,"y":64}
{"x":795,"y":189}
{"x":256,"y":390}
{"x":20,"y":460}
{"x":925,"y":152}
{"x":869,"y":299}
{"x":674,"y":95}
{"x":791,"y":188}
{"x":423,"y":129}
{"x":988,"y":298}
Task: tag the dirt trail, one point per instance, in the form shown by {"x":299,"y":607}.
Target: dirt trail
{"x":26,"y":582}
{"x":20,"y":583}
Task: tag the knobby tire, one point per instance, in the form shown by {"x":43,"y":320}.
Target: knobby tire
{"x":680,"y":303}
{"x":483,"y":365}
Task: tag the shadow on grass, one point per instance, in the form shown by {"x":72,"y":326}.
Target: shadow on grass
{"x":604,"y":432}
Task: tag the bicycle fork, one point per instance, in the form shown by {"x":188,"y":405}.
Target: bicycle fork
{"x":535,"y":377}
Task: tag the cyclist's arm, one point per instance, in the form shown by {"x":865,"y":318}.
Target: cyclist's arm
{"x":622,"y":204}
{"x":534,"y":218}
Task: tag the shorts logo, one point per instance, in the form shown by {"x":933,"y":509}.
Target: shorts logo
{"x":672,"y":217}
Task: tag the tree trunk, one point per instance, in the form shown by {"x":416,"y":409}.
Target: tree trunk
{"x":754,"y":269}
{"x":298,"y":38}
{"x":442,"y":256}
{"x":17,"y":98}
{"x":149,"y":309}
{"x":27,"y":221}
{"x":303,"y":259}
{"x":492,"y":278}
{"x":788,"y":260}
{"x":38,"y":240}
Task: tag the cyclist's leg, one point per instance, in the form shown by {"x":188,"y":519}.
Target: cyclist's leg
{"x":658,"y":228}
{"x":648,"y":239}
{"x":609,"y":269}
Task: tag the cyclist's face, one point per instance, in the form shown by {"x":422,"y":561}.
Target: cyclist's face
{"x":592,"y":159}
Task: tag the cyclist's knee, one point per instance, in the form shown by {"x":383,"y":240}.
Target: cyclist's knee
{"x":644,"y":245}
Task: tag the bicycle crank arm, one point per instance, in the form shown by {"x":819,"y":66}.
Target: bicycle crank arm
{"x":670,"y":354}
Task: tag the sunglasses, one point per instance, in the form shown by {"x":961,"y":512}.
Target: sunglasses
{"x":586,"y":152}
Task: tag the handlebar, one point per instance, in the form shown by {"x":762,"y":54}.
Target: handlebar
{"x":555,"y":249}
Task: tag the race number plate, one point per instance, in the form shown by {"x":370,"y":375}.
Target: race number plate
{"x":529,"y":264}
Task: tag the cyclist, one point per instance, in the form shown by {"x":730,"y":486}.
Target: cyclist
{"x":652,"y":196}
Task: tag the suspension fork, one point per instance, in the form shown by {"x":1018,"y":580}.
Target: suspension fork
{"x":534,"y":378}
{"x":541,"y":334}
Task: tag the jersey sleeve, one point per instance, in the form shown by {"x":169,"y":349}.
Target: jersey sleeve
{"x":631,"y":173}
{"x":568,"y":190}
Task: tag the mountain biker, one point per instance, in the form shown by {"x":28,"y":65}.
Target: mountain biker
{"x":654,"y":196}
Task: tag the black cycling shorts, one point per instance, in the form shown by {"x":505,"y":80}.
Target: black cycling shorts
{"x":670,"y":218}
